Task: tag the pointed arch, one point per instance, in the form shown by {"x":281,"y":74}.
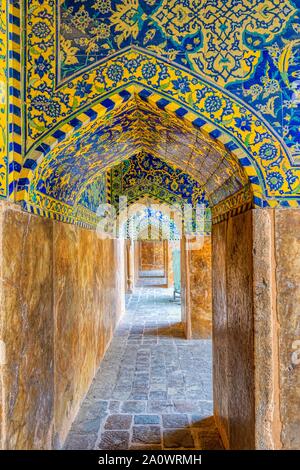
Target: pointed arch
{"x":99,"y":117}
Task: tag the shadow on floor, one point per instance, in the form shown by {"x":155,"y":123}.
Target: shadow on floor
{"x":177,"y":434}
{"x":173,"y":331}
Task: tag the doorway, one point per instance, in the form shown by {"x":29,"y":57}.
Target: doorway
{"x":152,"y":263}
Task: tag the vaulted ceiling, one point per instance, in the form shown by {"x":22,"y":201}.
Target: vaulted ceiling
{"x":137,"y":127}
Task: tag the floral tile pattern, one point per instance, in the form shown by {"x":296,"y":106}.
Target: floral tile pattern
{"x":145,"y":178}
{"x":250,"y":47}
{"x":146,"y":174}
{"x":94,"y":194}
{"x":223,"y":39}
{"x":233,"y":64}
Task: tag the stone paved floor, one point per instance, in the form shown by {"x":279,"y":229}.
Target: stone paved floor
{"x":153,"y":389}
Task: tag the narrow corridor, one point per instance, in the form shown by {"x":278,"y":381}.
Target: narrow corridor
{"x":154,"y":388}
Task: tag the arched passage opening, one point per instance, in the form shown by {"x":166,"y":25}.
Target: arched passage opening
{"x":176,"y":159}
{"x":152,"y":239}
{"x":60,"y":172}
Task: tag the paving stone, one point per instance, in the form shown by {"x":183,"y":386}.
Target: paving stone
{"x":146,"y":434}
{"x":184,"y":406}
{"x":138,"y":396}
{"x":118,"y":421}
{"x":77,"y":441}
{"x":88,"y":425}
{"x":114,"y":440}
{"x":141,"y":379}
{"x":140,"y":388}
{"x":158,"y":395}
{"x":147,"y":419}
{"x":177,"y":438}
{"x":160,"y":406}
{"x":114,"y":406}
{"x":158,"y":380}
{"x":105,"y":393}
{"x":120,"y":395}
{"x":92,"y":409}
{"x":133,"y":407}
{"x":175,"y":421}
{"x":175,"y":394}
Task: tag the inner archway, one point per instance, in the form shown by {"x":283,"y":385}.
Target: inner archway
{"x":61,"y":171}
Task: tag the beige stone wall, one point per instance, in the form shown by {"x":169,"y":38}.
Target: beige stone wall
{"x":86,"y":310}
{"x":233,"y":331}
{"x":200,"y":290}
{"x":184,"y":287}
{"x":287,"y":259}
{"x":220,"y":331}
{"x":151,"y":255}
{"x":256,"y":293}
{"x":170,"y":265}
{"x":27,"y":329}
{"x":196,"y":288}
{"x":60,"y":302}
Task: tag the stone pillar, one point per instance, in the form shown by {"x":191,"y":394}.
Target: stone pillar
{"x":256,"y":329}
{"x":220,"y":331}
{"x":286,"y":225}
{"x":185,"y":288}
{"x":166,"y":261}
{"x":120,"y":275}
{"x":170,"y":276}
{"x":130,"y":266}
{"x":199,"y":271}
{"x":265,"y":340}
{"x":136,"y":264}
{"x":196,"y":287}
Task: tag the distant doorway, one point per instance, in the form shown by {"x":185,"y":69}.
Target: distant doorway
{"x":152,"y":257}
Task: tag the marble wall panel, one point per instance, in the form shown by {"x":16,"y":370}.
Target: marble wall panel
{"x":87,"y":308}
{"x":220,"y":330}
{"x":233,"y":331}
{"x":287,"y":257}
{"x":27,"y":329}
{"x":240,"y":332}
{"x":200,"y":273}
{"x":256,"y":294}
{"x":151,"y":256}
{"x":61,"y":297}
